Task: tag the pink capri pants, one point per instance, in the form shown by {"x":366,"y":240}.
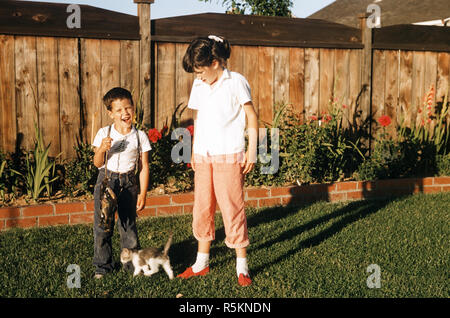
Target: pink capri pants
{"x":219,"y":179}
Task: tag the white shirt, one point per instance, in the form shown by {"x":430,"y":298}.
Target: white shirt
{"x":220,"y":124}
{"x":123,"y":152}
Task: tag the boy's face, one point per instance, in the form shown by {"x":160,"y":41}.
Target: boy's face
{"x":122,"y":112}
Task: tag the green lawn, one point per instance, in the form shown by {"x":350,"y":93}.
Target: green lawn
{"x":317,"y":250}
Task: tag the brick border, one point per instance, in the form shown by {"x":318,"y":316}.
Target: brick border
{"x":182,"y":204}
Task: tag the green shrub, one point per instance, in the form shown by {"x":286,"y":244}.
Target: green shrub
{"x":443,"y":165}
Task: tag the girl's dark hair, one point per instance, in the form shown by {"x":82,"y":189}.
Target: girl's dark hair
{"x":204,"y":50}
{"x":116,"y":93}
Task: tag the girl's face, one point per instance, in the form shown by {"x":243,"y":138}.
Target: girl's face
{"x":209,"y":74}
{"x":122,"y":112}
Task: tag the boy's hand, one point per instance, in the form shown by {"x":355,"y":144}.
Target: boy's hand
{"x":248,"y":164}
{"x":106,"y":144}
{"x":141,"y":201}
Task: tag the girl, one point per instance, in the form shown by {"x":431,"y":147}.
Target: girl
{"x":221,"y":101}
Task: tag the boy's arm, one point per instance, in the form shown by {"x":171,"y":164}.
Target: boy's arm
{"x":99,"y":153}
{"x":252,"y":126}
{"x":143,"y":181}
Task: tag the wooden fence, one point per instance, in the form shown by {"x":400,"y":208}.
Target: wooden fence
{"x":58,"y":81}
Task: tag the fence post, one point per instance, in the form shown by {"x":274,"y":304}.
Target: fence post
{"x":145,"y":56}
{"x":366,"y":78}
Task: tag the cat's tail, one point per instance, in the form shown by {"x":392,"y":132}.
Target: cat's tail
{"x":169,"y":242}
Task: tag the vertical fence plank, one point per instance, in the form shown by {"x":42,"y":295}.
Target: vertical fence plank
{"x":69,"y":97}
{"x":236,"y":60}
{"x":418,"y":84}
{"x":26,"y":90}
{"x":129,"y":68}
{"x":327,"y":79}
{"x":91,"y":86}
{"x":8,"y":129}
{"x":183,"y":84}
{"x":165,"y":77}
{"x":405,"y":94}
{"x":442,"y":80}
{"x":312,"y":80}
{"x":266,"y":71}
{"x":110,"y":62}
{"x":391,"y":89}
{"x":251,"y":62}
{"x":48,"y":95}
{"x":342,"y":77}
{"x":281,"y":76}
{"x":352,"y":110}
{"x":297,"y":80}
{"x":378,"y":88}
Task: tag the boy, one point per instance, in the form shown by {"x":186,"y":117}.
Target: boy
{"x":127,"y":149}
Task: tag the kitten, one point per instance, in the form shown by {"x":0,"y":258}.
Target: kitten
{"x":148,"y":259}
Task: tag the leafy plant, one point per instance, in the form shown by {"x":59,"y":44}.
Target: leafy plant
{"x":80,"y":173}
{"x":40,"y":169}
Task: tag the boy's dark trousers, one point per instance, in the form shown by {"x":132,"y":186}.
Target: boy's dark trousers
{"x":126,"y":188}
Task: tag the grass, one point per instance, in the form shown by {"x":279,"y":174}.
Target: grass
{"x":317,"y":250}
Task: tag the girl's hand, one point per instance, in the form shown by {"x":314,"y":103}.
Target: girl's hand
{"x":141,"y":201}
{"x":248,"y":164}
{"x":192,"y":162}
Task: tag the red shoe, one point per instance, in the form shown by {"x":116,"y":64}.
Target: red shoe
{"x":244,"y":280}
{"x":189,"y":273}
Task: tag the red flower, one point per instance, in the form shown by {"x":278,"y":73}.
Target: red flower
{"x":313,"y":117}
{"x":188,"y":165}
{"x":191,"y":129}
{"x":154,"y":135}
{"x":384,"y":120}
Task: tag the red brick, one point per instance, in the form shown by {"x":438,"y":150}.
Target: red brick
{"x":158,"y":200}
{"x":169,"y":210}
{"x":2,"y":225}
{"x":82,"y":218}
{"x":355,"y":195}
{"x":64,"y":208}
{"x":147,"y":212}
{"x":333,"y":197}
{"x":21,"y":222}
{"x":90,"y":206}
{"x":183,"y":198}
{"x":427,"y":181}
{"x":257,"y":193}
{"x":366,"y":185}
{"x":269,"y":202}
{"x":282,"y":191}
{"x":188,"y":208}
{"x":252,"y":203}
{"x":9,"y":212}
{"x":432,"y":189}
{"x":446,"y":188}
{"x":53,"y":220}
{"x":345,"y":186}
{"x":442,"y":180}
{"x":37,"y":210}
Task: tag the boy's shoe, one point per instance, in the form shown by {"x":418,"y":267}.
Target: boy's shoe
{"x":190,"y":273}
{"x":244,"y":280}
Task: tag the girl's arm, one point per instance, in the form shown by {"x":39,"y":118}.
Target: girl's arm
{"x":252,"y":126}
{"x":143,"y":181}
{"x":192,"y":145}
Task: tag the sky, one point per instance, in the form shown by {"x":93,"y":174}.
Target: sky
{"x":172,"y":8}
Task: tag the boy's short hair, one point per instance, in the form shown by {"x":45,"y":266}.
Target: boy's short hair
{"x":116,"y":93}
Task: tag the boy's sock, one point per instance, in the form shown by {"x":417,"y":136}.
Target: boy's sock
{"x":201,"y":263}
{"x":241,"y":266}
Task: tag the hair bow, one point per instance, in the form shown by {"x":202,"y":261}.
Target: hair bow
{"x":215,"y":38}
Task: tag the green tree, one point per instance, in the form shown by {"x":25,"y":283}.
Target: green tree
{"x":281,"y":8}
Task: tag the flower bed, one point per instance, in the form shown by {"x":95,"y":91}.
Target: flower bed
{"x":182,"y":203}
